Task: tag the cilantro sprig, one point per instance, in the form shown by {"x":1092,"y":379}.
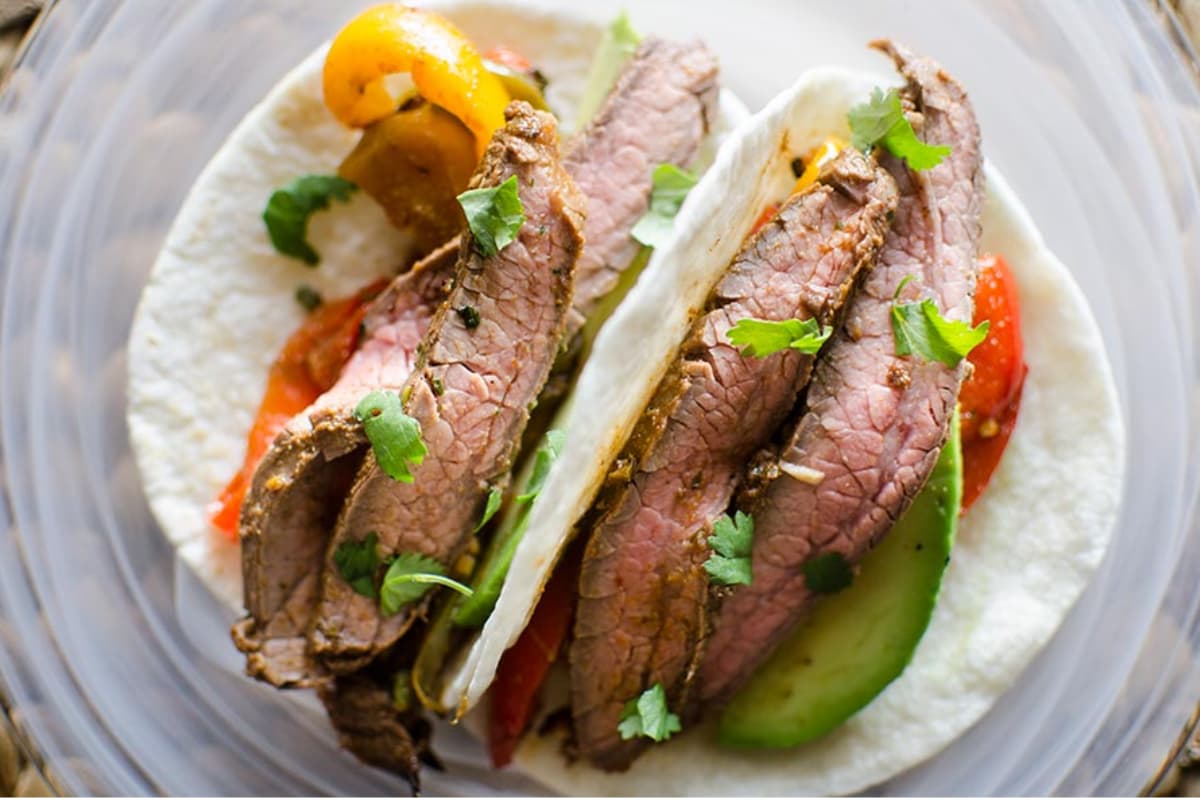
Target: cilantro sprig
{"x":494,"y":498}
{"x":494,"y":216}
{"x":357,"y":563}
{"x":669,"y":188}
{"x":288,"y":209}
{"x":760,"y":338}
{"x":648,"y":716}
{"x":409,"y":577}
{"x":395,"y":437}
{"x":881,"y":121}
{"x":919,"y":328}
{"x":732,"y":542}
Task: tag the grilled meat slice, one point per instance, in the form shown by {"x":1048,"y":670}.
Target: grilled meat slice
{"x":298,"y":487}
{"x":875,"y":422}
{"x":643,"y":589}
{"x":658,"y":112}
{"x":479,"y":372}
{"x":362,"y":711}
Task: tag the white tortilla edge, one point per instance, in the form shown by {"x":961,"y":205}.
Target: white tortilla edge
{"x":1024,"y":553}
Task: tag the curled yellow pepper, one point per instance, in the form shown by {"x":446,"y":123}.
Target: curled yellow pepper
{"x":816,"y":158}
{"x":445,"y":67}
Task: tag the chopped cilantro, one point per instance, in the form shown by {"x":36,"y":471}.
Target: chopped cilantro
{"x":468,"y":315}
{"x":494,"y":216}
{"x":649,"y":716}
{"x":308,"y":297}
{"x":543,"y":460}
{"x":395,"y":437}
{"x":289,"y":208}
{"x":920,"y":328}
{"x":732,"y":542}
{"x":670,"y":187}
{"x":357,"y":563}
{"x":760,"y":338}
{"x":409,"y":577}
{"x":881,"y":120}
{"x":495,"y":496}
{"x":827,"y":573}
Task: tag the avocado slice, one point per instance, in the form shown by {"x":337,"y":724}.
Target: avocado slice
{"x":859,"y":640}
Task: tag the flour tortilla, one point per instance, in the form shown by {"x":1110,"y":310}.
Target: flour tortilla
{"x":1024,"y":552}
{"x":219,"y":303}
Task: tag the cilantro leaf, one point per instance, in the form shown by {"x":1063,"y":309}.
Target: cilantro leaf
{"x":732,"y":542}
{"x":881,"y":120}
{"x":649,"y":716}
{"x":760,"y":338}
{"x":308,"y":297}
{"x":289,"y":208}
{"x":827,"y":573}
{"x":357,"y":563}
{"x":409,"y":577}
{"x":395,"y":437}
{"x":670,"y":187}
{"x":545,"y":458}
{"x":494,"y":498}
{"x":920,"y":328}
{"x":494,"y":216}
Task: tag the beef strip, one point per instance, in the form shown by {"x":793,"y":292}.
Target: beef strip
{"x":369,"y":725}
{"x":658,"y":112}
{"x":471,"y":390}
{"x":643,"y":588}
{"x":875,"y":421}
{"x":299,"y":485}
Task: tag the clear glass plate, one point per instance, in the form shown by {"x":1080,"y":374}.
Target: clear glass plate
{"x":118,"y":663}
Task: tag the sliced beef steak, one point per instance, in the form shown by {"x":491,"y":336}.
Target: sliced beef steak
{"x":369,"y":725}
{"x":875,"y":422}
{"x":643,"y":589}
{"x":484,"y":360}
{"x":659,"y":112}
{"x":298,"y":487}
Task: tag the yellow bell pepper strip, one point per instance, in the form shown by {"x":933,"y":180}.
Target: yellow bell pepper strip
{"x":818,"y":157}
{"x":445,"y":67}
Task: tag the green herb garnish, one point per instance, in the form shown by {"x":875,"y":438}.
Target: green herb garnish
{"x":395,"y":437}
{"x":357,"y":563}
{"x":827,"y":573}
{"x":289,"y":208}
{"x":759,"y":338}
{"x":670,"y":187}
{"x":649,"y":716}
{"x":543,"y":460}
{"x":921,"y":329}
{"x":732,"y":542}
{"x":493,"y":215}
{"x":881,"y":121}
{"x":468,"y":315}
{"x":308,"y":297}
{"x":409,"y":577}
{"x":495,"y":496}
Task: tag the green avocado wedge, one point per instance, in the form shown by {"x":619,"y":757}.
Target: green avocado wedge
{"x":859,"y":640}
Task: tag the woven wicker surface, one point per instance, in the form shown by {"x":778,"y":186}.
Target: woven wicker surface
{"x":22,"y":773}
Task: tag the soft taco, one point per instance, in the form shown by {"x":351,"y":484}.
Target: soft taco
{"x":806,"y":612}
{"x":670,"y":489}
{"x":416,"y":298}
